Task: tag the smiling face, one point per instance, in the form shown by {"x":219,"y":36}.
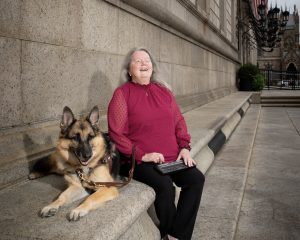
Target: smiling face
{"x":140,"y":67}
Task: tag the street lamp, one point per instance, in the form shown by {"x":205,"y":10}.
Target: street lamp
{"x":269,"y":26}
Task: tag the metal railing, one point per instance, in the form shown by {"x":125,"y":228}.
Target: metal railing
{"x":281,"y":80}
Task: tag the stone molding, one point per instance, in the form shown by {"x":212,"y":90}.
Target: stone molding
{"x":162,"y":16}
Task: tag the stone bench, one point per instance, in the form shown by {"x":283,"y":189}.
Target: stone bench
{"x":126,"y":217}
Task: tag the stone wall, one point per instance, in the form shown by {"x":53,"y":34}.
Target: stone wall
{"x":69,"y":52}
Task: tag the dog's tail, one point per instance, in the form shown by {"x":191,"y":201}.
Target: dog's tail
{"x":42,"y":167}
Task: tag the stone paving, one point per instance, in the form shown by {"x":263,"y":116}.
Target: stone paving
{"x":271,"y":204}
{"x":280,"y":93}
{"x":252,"y":190}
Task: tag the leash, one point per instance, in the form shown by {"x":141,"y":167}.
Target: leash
{"x":95,"y":185}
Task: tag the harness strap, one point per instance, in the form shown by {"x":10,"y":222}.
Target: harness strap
{"x":95,"y":185}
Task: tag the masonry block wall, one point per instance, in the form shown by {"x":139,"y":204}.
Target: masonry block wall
{"x":69,"y":52}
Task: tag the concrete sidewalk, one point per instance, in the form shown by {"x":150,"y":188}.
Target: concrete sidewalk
{"x":252,"y":190}
{"x":271,"y":203}
{"x":280,"y":93}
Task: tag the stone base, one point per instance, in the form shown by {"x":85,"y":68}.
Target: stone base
{"x":122,"y":218}
{"x":255,"y":98}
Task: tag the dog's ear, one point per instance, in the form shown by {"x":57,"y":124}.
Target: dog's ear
{"x":93,"y":117}
{"x":67,"y":118}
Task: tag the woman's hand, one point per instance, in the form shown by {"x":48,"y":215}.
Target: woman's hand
{"x":153,"y":157}
{"x":185,"y":155}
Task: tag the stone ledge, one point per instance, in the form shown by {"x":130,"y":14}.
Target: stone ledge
{"x":21,"y":146}
{"x":125,"y":217}
{"x":217,"y":130}
{"x":215,"y":115}
{"x":168,"y":18}
{"x":192,"y":101}
{"x":21,"y":203}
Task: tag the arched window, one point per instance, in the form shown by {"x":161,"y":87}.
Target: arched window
{"x":291,"y":71}
{"x":291,"y":68}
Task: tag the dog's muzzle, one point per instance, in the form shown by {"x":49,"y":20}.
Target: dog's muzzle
{"x":83,"y":153}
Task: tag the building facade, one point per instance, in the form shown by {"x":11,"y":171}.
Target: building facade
{"x":287,"y":56}
{"x":69,"y":52}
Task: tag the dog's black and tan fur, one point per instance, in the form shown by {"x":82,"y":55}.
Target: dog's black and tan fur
{"x":81,"y":145}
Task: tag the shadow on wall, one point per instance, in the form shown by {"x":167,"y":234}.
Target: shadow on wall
{"x":99,"y":93}
{"x":39,"y":144}
{"x":31,"y":147}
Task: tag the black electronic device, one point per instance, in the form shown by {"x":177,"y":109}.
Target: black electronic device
{"x":172,"y":167}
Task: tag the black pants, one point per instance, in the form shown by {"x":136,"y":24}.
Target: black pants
{"x":177,"y":222}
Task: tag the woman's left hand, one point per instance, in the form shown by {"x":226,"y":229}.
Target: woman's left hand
{"x":185,"y":155}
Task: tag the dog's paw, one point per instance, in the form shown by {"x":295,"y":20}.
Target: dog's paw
{"x":48,"y":211}
{"x":77,"y":213}
{"x":35,"y":175}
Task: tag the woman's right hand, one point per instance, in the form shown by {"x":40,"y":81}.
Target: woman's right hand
{"x":153,"y":157}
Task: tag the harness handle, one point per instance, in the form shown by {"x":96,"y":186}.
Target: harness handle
{"x":95,"y":185}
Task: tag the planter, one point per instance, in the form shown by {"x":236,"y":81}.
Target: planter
{"x":250,"y":78}
{"x":245,"y":85}
{"x":255,"y":98}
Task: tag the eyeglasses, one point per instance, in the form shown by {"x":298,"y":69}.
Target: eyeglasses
{"x":140,"y":61}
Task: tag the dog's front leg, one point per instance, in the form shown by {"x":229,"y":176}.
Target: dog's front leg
{"x":71,"y":194}
{"x":94,"y":201}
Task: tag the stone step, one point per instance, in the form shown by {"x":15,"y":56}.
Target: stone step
{"x":280,"y":97}
{"x":280,"y":101}
{"x":280,"y":105}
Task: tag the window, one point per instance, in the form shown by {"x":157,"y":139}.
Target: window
{"x":215,"y":12}
{"x":228,"y":17}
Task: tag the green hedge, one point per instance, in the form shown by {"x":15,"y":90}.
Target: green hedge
{"x":250,"y":78}
{"x":258,"y":82}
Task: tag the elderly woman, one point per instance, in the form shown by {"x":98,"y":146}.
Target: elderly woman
{"x":143,"y":113}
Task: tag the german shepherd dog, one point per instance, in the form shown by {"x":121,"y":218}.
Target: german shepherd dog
{"x":81,"y":146}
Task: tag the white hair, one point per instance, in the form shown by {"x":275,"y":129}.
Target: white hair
{"x":125,"y":77}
